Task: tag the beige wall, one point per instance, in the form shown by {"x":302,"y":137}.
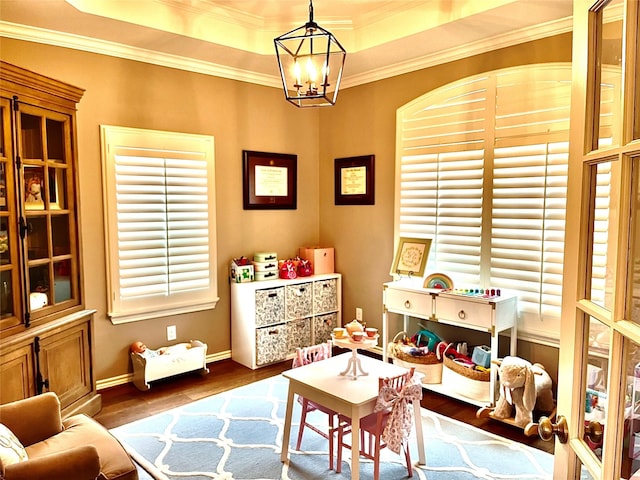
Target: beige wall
{"x":244,"y":116}
{"x":363,"y":122}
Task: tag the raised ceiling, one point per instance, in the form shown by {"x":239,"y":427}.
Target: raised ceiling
{"x":234,"y":38}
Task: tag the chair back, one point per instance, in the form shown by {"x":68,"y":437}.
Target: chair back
{"x":311,"y":354}
{"x":398,"y":382}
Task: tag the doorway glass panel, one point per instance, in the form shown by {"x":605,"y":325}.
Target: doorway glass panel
{"x":609,"y":74}
{"x":636,"y":99}
{"x":595,"y":395}
{"x":600,"y":217}
{"x":584,"y":474}
{"x":633,"y":265}
{"x":631,"y":441}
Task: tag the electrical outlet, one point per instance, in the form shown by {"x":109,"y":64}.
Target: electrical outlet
{"x":359,"y":314}
{"x":171,"y":332}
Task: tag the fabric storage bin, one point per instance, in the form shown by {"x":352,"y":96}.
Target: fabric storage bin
{"x":271,"y":344}
{"x":269,"y":306}
{"x":323,"y":326}
{"x":325,"y":296}
{"x":299,"y":300}
{"x":465,"y":381}
{"x":322,"y":259}
{"x":298,"y":334}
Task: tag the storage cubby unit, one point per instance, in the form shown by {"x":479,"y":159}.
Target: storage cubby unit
{"x":270,"y":319}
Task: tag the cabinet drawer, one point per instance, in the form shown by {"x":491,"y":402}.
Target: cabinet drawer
{"x":325,"y":296}
{"x":410,"y":303}
{"x":269,"y":306}
{"x":460,"y":311}
{"x":271,"y":344}
{"x":299,"y":298}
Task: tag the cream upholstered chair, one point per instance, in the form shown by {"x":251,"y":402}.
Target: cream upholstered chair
{"x":395,"y":395}
{"x":304,"y":356}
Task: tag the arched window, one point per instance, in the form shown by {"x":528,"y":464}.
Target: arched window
{"x":482,"y":171}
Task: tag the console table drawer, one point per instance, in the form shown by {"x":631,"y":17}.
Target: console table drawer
{"x":410,"y":303}
{"x":463,"y":311}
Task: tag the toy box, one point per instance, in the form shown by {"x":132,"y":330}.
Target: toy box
{"x":322,"y":259}
{"x":179,"y":360}
{"x":241,"y":273}
{"x":481,"y":356}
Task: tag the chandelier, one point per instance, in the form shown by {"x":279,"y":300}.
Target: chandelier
{"x":311,"y":61}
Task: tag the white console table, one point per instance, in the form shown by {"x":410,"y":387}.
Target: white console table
{"x":492,"y":315}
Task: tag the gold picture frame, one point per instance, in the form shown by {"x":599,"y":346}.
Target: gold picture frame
{"x":411,"y":256}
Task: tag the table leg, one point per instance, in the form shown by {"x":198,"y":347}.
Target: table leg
{"x":354,"y":365}
{"x":417,"y":418}
{"x":355,"y":444}
{"x":287,"y":425}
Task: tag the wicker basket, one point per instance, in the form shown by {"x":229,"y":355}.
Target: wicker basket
{"x":427,"y":365}
{"x":471,"y":373}
{"x":465,"y":381}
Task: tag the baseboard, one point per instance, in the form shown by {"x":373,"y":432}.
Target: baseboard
{"x":128,"y":377}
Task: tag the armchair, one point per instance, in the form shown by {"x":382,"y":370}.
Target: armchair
{"x":77,"y":448}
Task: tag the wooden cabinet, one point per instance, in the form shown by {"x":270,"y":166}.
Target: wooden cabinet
{"x":270,"y":319}
{"x":492,"y":315}
{"x":45,"y":331}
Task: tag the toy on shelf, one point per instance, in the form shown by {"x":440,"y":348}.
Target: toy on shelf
{"x":524,"y":387}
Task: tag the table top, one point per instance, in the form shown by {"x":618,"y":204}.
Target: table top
{"x":324,"y":376}
{"x":348,"y":342}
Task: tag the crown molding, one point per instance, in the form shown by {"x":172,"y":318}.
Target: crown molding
{"x":486,"y":45}
{"x":113,"y":49}
{"x":103,"y":47}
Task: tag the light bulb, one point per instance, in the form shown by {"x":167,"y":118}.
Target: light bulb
{"x":296,"y":72}
{"x":311,"y":71}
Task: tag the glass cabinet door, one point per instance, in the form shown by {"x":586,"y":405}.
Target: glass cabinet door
{"x":10,"y":311}
{"x":46,"y":187}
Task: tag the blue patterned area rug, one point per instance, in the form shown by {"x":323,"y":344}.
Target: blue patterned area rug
{"x":238,"y":435}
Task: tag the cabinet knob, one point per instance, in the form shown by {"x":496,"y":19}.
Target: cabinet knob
{"x":462,"y":314}
{"x":407,"y":304}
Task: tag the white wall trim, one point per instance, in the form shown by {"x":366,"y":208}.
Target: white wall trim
{"x":128,"y":377}
{"x":113,"y":49}
{"x":486,"y":45}
{"x":78,"y":42}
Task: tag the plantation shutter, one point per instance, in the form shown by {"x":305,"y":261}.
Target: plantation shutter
{"x":161,"y":237}
{"x":441,"y":177}
{"x":530,"y":188}
{"x":483,"y":172}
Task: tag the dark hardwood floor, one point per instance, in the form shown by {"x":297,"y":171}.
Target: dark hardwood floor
{"x":125,"y":403}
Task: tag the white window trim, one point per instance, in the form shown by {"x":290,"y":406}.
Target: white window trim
{"x":122,"y":141}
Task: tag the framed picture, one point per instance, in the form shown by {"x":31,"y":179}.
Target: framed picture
{"x":355,"y":180}
{"x":269,"y":180}
{"x":34,"y":190}
{"x":411,"y":256}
